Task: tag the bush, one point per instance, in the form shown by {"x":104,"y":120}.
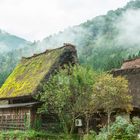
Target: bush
{"x":123,"y":130}
{"x":35,"y":135}
{"x":136,"y":123}
{"x":90,"y":136}
{"x":103,"y":135}
{"x":21,"y":135}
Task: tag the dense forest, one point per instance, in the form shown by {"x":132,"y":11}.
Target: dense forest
{"x":102,"y":42}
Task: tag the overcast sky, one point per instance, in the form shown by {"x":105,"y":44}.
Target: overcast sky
{"x":36,"y":19}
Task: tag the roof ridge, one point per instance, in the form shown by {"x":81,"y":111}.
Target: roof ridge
{"x":65,"y":45}
{"x":130,"y":70}
{"x":128,"y":60}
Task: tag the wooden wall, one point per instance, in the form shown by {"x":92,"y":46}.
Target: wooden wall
{"x":15,"y":118}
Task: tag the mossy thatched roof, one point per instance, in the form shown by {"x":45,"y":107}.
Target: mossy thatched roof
{"x":28,"y":74}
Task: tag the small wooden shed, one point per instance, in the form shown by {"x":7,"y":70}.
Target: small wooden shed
{"x":23,"y":83}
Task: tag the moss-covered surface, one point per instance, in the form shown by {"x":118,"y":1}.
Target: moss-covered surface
{"x":28,"y":74}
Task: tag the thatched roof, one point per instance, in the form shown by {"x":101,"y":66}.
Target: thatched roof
{"x":132,"y":63}
{"x":117,"y":72}
{"x":129,"y":66}
{"x":31,"y":71}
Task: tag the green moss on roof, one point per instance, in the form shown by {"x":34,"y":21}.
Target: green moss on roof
{"x":28,"y":74}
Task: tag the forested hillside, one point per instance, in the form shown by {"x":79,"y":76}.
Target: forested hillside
{"x":12,"y":48}
{"x":102,"y":42}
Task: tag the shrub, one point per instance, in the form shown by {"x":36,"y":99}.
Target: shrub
{"x":21,"y":135}
{"x":123,"y":130}
{"x":35,"y":135}
{"x":103,"y":135}
{"x":136,"y":123}
{"x":90,"y":136}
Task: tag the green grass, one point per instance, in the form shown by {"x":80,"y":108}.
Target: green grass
{"x":35,"y":135}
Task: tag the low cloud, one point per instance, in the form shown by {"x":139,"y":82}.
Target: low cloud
{"x":36,"y":19}
{"x":3,"y":47}
{"x":129,"y":29}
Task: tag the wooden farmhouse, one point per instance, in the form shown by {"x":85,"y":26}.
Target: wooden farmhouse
{"x":22,"y":85}
{"x":131,"y":70}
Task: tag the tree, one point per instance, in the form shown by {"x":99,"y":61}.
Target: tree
{"x":139,"y":54}
{"x":68,"y":94}
{"x":82,"y":80}
{"x":129,"y":57}
{"x":112,"y":93}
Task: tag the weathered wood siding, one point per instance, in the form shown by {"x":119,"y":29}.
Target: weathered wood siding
{"x":15,"y":118}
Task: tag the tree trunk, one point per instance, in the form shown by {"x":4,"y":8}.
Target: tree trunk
{"x":64,"y":124}
{"x":72,"y":125}
{"x":108,"y":121}
{"x":87,"y":123}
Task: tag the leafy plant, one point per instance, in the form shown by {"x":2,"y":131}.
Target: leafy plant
{"x":123,"y":130}
{"x":38,"y":124}
{"x":111,"y":93}
{"x":68,"y":95}
{"x":136,"y":123}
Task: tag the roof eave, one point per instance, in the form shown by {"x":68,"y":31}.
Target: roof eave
{"x":17,"y":97}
